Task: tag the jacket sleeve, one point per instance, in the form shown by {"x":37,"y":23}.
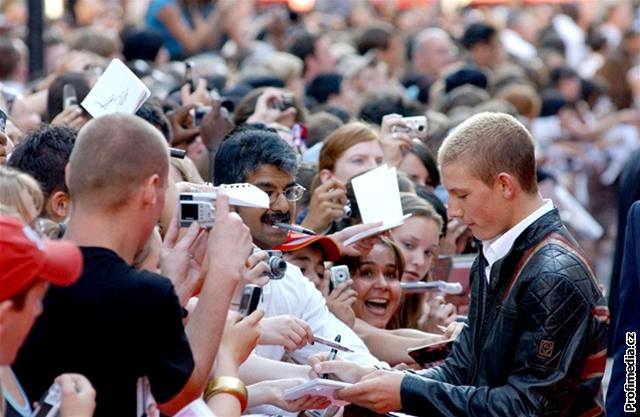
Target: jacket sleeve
{"x":628,"y":317}
{"x":548,"y":359}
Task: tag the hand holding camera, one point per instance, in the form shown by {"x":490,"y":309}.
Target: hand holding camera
{"x":182,"y":125}
{"x":215,"y":125}
{"x":328,"y":203}
{"x":274,"y":105}
{"x":341,"y":296}
{"x":71,"y":395}
{"x":225,"y":253}
{"x":71,"y":114}
{"x":397,"y":134}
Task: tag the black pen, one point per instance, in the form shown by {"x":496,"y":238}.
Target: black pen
{"x":332,"y":354}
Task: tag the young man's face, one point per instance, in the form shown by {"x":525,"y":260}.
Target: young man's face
{"x":482,"y":208}
{"x":311,"y":263}
{"x":274,"y":182}
{"x":15,"y":324}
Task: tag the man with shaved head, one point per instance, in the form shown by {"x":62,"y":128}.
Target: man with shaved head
{"x":117,"y":324}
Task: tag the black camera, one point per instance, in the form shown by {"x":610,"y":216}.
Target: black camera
{"x":277,"y":265}
{"x":288,"y":100}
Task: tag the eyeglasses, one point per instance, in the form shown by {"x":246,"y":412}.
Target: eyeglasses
{"x":292,"y":193}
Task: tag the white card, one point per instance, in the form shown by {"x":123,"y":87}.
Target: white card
{"x":117,"y":91}
{"x":378,"y":196}
{"x":317,"y":387}
{"x":241,"y":194}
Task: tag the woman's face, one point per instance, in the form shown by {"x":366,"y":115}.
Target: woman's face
{"x":418,"y":239}
{"x":415,"y":169}
{"x":358,"y":159}
{"x":377,"y":285}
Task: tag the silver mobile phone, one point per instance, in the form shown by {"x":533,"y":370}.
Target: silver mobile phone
{"x":49,"y":404}
{"x":69,"y":96}
{"x":251,"y":295}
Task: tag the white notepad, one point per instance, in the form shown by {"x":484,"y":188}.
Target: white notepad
{"x":317,"y":387}
{"x":117,"y":91}
{"x":378,"y":200}
{"x":242,"y":194}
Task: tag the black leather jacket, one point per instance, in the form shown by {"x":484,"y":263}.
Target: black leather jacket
{"x":536,"y":340}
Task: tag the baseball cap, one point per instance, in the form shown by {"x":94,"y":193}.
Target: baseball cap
{"x":296,"y":241}
{"x":27,"y":258}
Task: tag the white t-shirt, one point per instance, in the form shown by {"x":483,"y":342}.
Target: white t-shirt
{"x":297,"y":296}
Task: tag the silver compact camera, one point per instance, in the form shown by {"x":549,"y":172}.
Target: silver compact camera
{"x":197,"y":207}
{"x":339,"y":274}
{"x":416,"y":124}
{"x":277,"y":265}
{"x":49,"y":404}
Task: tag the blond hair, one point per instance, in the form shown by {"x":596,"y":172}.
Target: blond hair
{"x":112,"y":157}
{"x":283,"y":65}
{"x":491,"y":143}
{"x":20,"y":193}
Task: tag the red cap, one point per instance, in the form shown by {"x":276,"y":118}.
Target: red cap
{"x":26,"y":258}
{"x":296,"y":241}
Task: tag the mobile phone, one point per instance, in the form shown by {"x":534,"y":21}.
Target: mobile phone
{"x":339,"y":274}
{"x":190,"y":75}
{"x":69,"y":96}
{"x":3,"y":121}
{"x":199,"y":114}
{"x":177,"y":153}
{"x":251,"y":295}
{"x":49,"y":404}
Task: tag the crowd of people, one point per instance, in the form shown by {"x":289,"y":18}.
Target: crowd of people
{"x":513,"y":134}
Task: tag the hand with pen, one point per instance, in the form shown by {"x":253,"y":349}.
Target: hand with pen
{"x":287,"y":331}
{"x":377,"y":390}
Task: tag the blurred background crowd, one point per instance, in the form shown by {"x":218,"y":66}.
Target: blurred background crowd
{"x":332,"y":78}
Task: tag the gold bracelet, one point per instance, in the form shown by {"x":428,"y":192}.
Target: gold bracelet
{"x":227,"y":385}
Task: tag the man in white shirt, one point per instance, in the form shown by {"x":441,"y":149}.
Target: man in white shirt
{"x":535,"y":342}
{"x":260,"y":157}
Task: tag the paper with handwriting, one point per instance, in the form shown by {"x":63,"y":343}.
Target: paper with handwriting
{"x":117,"y":91}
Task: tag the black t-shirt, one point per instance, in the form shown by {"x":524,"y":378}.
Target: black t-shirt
{"x":114,"y":325}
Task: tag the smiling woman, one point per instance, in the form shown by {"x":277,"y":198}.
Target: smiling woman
{"x":376,"y":280}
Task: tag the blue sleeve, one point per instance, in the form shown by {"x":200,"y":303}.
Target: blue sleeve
{"x":628,"y":318}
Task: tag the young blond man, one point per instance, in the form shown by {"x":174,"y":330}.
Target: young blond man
{"x":535,"y":343}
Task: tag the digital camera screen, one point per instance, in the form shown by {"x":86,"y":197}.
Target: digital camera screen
{"x":189,"y":211}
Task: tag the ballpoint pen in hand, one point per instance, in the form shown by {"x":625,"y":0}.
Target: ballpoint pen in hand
{"x":332,"y":354}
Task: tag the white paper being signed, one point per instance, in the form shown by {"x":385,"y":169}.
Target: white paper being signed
{"x":117,"y":91}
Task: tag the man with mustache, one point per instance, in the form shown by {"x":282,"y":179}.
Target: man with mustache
{"x":260,"y":157}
